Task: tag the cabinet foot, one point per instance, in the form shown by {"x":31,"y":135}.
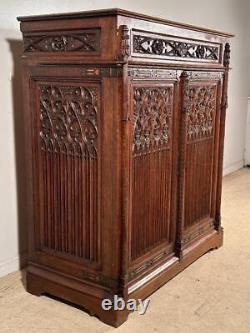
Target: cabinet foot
{"x":33,"y":286}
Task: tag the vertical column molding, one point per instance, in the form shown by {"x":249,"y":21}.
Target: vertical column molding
{"x":224,"y":105}
{"x":125,"y":182}
{"x":184,"y":82}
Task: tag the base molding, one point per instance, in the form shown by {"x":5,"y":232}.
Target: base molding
{"x":212,"y":241}
{"x":41,"y":281}
{"x":70,"y":291}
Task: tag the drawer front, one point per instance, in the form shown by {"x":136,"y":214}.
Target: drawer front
{"x":70,"y":40}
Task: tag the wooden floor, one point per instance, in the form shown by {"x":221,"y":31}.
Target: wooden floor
{"x":211,"y":295}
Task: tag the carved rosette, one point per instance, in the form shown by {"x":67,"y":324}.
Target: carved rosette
{"x":87,"y":41}
{"x":172,"y":48}
{"x":68,"y":120}
{"x":152,"y":118}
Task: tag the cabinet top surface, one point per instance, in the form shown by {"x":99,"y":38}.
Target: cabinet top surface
{"x":117,"y":12}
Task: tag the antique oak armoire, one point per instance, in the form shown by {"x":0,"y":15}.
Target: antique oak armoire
{"x":125,"y":117}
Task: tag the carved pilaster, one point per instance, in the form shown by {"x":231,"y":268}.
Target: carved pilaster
{"x":125,"y":42}
{"x":227,"y":51}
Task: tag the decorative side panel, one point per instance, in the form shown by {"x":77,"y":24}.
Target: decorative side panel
{"x":175,"y":48}
{"x":87,"y":40}
{"x":153,"y":109}
{"x":69,"y":169}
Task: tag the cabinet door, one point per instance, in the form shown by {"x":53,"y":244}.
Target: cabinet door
{"x":198,"y":149}
{"x":153,"y":96}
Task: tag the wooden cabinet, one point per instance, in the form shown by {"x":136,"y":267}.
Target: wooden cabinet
{"x":125,"y":118}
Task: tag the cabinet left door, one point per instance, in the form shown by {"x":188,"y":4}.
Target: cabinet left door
{"x":69,"y":128}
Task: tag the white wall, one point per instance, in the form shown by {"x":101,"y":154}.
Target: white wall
{"x":225,"y":15}
{"x":247,"y":137}
{"x":247,"y":148}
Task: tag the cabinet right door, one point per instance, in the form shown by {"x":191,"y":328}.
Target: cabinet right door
{"x":199,"y":154}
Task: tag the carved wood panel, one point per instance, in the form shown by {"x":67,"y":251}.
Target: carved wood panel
{"x":67,"y":143}
{"x":151,"y":170}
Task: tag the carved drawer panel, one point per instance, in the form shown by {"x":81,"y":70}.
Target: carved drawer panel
{"x":145,"y":44}
{"x":83,"y":41}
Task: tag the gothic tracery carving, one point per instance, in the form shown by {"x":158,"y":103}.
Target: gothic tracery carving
{"x":200,"y":110}
{"x":152,"y":118}
{"x":68,"y":120}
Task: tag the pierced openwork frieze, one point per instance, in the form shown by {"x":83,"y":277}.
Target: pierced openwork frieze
{"x":152,"y":118}
{"x":200,"y":108}
{"x":68,"y":120}
{"x":84,"y":41}
{"x":167,"y":47}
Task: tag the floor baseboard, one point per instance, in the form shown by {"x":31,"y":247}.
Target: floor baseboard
{"x":13,"y":264}
{"x":233,"y":167}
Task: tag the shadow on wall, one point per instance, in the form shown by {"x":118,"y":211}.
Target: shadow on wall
{"x":16,"y":47}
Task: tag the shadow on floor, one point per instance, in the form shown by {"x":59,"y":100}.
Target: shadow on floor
{"x":16,"y":48}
